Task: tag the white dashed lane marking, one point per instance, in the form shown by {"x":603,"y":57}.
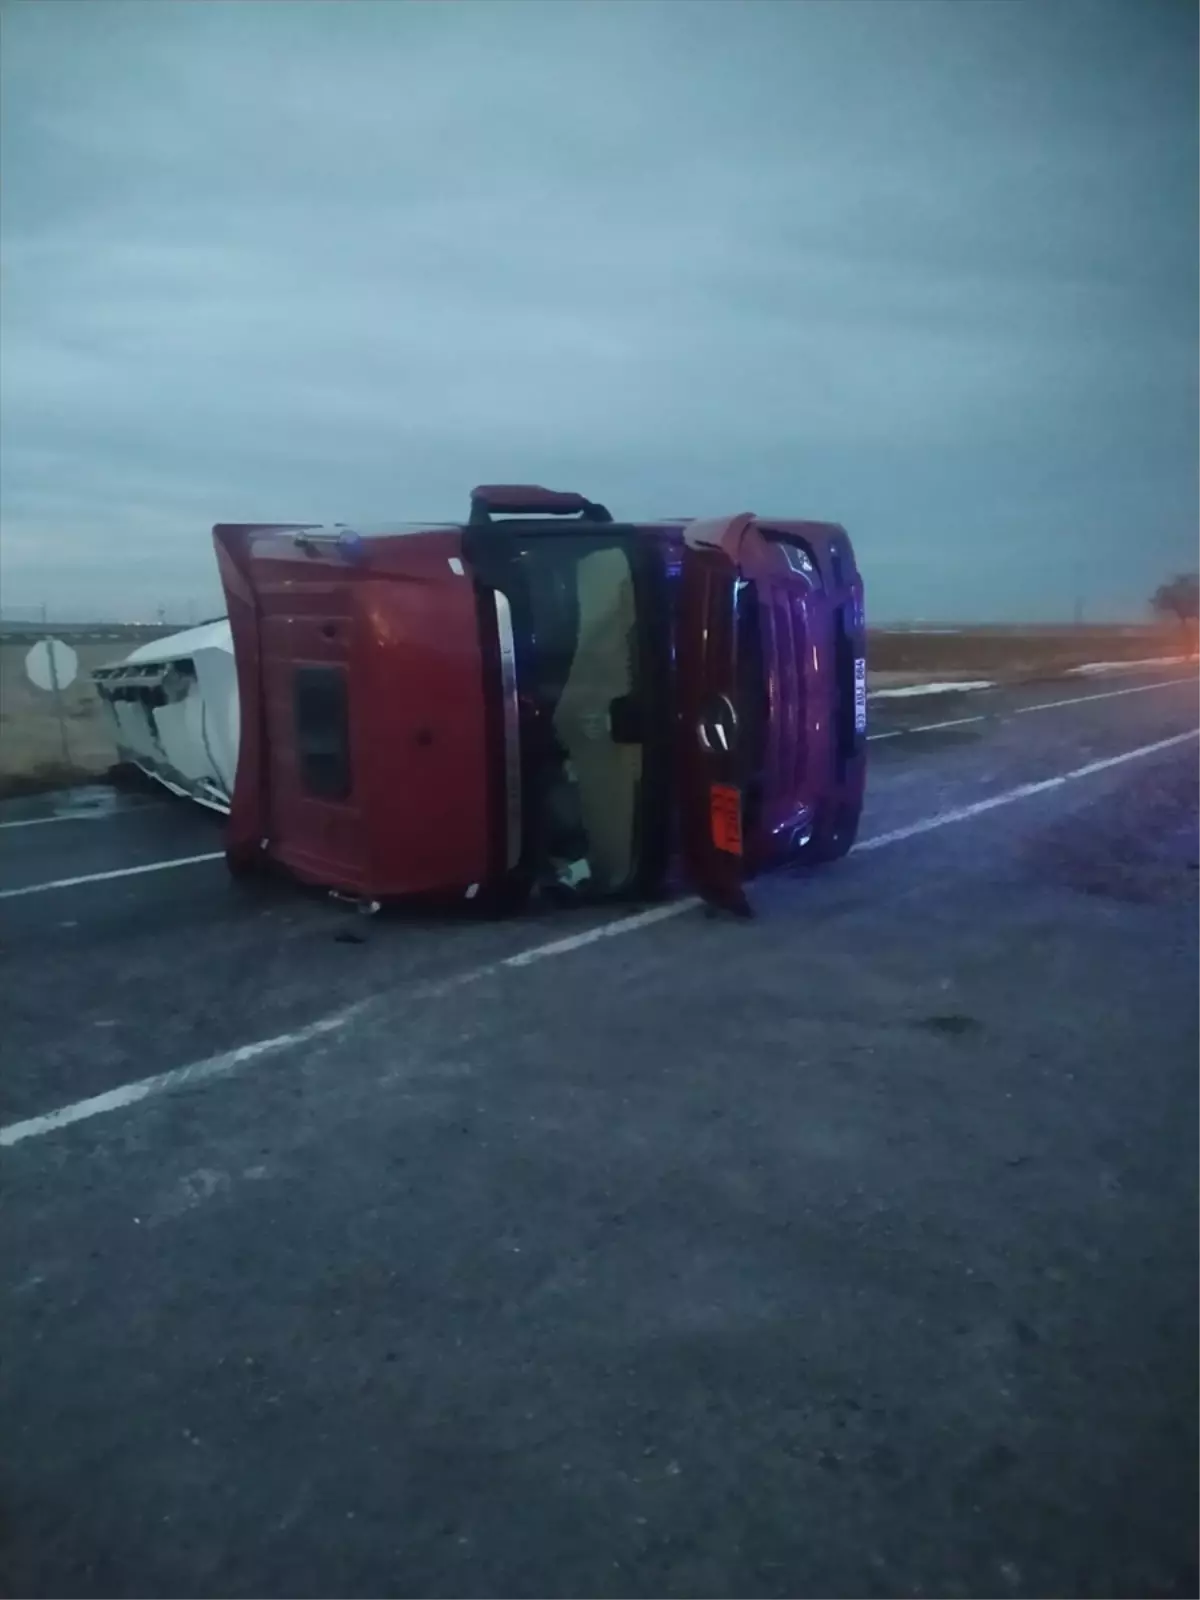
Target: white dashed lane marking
{"x":1021,"y":711}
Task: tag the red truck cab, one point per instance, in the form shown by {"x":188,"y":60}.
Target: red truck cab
{"x":543,"y":696}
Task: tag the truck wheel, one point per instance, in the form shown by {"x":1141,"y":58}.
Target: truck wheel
{"x":245,"y":866}
{"x":512,"y":894}
{"x":833,"y":835}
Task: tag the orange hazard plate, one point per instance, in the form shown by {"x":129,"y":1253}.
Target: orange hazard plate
{"x":725,"y":809}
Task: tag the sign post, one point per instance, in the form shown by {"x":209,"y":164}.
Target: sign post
{"x":53,"y":666}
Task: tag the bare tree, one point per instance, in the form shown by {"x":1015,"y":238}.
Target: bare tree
{"x":1178,"y":601}
{"x":1178,"y":598}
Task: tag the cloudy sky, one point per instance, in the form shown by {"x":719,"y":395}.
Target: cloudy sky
{"x":929,"y":269}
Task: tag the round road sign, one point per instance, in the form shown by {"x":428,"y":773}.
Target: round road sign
{"x":51,"y":664}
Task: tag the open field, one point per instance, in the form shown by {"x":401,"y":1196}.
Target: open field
{"x":32,"y":757}
{"x":1013,"y":653}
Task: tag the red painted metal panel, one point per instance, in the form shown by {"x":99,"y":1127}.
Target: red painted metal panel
{"x":400,"y":620}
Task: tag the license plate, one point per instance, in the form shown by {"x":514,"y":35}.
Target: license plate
{"x":860,"y":694}
{"x":725,"y":812}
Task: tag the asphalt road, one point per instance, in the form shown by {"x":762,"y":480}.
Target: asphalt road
{"x":847,"y":1251}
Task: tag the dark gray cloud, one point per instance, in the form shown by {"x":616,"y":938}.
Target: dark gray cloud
{"x":929,"y":269}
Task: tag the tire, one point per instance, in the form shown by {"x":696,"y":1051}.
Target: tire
{"x":505,"y":898}
{"x":244,"y":866}
{"x":833,"y":835}
{"x":251,"y":872}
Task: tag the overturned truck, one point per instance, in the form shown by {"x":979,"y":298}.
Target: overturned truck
{"x":537,"y":698}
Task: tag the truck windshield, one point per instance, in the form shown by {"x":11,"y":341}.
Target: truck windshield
{"x":574,"y":600}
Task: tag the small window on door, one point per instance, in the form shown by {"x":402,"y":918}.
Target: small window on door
{"x":323,"y":731}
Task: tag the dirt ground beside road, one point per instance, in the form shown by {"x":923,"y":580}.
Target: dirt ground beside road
{"x":31,"y":745}
{"x":1011,"y":652}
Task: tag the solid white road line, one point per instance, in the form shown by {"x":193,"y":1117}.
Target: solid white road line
{"x":1108,"y":694}
{"x":105,"y":877}
{"x":605,"y":930}
{"x":79,"y":816}
{"x":179,"y":1077}
{"x":955,"y":722}
{"x":230,"y":1061}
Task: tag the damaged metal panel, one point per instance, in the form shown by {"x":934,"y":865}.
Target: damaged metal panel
{"x":173,"y":709}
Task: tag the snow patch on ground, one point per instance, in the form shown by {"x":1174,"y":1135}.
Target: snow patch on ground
{"x":910,"y":690}
{"x":1132,"y":666}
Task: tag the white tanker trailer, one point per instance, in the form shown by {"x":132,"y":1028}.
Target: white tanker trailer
{"x":173,"y":707}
